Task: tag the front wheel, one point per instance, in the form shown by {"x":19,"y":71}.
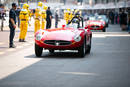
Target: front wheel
{"x":107,"y":25}
{"x":38,"y":50}
{"x":104,"y":30}
{"x":89,"y":47}
{"x":82,"y":50}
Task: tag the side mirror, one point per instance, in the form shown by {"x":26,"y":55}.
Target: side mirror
{"x":86,"y":27}
{"x":63,"y":26}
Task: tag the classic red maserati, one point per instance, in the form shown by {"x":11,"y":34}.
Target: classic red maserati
{"x":96,"y":24}
{"x":65,"y":38}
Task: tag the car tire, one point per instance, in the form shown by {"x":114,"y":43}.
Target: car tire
{"x":51,"y":51}
{"x":38,"y":50}
{"x":89,"y":47}
{"x":82,"y":50}
{"x":104,"y":30}
{"x":107,"y":25}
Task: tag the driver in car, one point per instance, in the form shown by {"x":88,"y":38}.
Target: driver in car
{"x":77,"y":19}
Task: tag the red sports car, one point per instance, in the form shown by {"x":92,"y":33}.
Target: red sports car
{"x":96,"y":24}
{"x":65,"y":38}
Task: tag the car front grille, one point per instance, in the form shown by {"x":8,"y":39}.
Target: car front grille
{"x":57,"y":42}
{"x":95,"y":27}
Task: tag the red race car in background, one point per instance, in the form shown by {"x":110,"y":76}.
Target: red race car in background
{"x":94,"y":23}
{"x":65,"y":38}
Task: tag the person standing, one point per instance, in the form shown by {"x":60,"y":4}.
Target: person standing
{"x":123,"y":20}
{"x":12,"y":25}
{"x":37,"y":16}
{"x":1,"y":10}
{"x":43,"y":16}
{"x":24,"y":18}
{"x":129,"y":21}
{"x":56,"y":18}
{"x":111,"y":16}
{"x":48,"y":18}
{"x":116,"y":17}
{"x":17,"y":13}
{"x":67,"y":15}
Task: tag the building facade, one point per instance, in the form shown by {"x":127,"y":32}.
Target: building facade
{"x":8,"y":3}
{"x":86,"y":4}
{"x":114,"y":3}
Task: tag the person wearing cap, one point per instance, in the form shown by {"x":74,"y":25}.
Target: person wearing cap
{"x":24,"y":18}
{"x":37,"y":17}
{"x":43,"y":16}
{"x":12,"y":24}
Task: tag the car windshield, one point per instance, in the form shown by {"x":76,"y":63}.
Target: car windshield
{"x":73,"y":25}
{"x":102,"y":17}
{"x":95,"y":18}
{"x":92,"y":18}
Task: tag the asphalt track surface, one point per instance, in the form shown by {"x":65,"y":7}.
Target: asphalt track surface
{"x":106,"y":66}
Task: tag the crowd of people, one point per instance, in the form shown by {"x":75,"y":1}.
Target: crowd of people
{"x":122,"y":18}
{"x":42,"y":20}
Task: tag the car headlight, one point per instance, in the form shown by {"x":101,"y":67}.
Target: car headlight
{"x":77,"y":38}
{"x":38,"y":37}
{"x":87,"y":23}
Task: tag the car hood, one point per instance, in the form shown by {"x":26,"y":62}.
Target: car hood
{"x":60,"y":34}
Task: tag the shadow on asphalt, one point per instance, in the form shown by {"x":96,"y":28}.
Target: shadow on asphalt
{"x":41,"y":73}
{"x":58,"y":55}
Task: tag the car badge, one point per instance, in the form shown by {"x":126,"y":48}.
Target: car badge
{"x":57,"y":44}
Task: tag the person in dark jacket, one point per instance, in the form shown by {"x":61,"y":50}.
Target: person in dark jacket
{"x":111,"y":16}
{"x":129,"y":22}
{"x":48,"y":18}
{"x":116,"y":17}
{"x":123,"y":20}
{"x":12,"y":24}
